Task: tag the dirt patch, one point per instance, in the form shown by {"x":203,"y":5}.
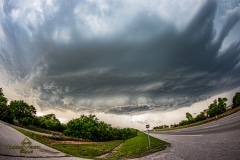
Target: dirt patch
{"x":74,"y":142}
{"x":109,"y":154}
{"x":48,"y":151}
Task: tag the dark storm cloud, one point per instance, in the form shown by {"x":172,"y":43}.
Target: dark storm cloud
{"x":129,"y":109}
{"x":144,"y":60}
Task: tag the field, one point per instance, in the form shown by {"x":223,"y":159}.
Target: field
{"x":131,"y":148}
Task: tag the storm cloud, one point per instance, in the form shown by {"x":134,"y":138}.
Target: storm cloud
{"x":119,"y":57}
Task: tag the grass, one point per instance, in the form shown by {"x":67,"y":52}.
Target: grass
{"x":131,"y":148}
{"x":138,"y":147}
{"x":87,"y":150}
{"x":229,"y":112}
{"x":79,"y":150}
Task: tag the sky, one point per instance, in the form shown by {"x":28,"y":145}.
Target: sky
{"x":130,"y":63}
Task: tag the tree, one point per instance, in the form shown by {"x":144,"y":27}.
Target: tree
{"x":200,"y":117}
{"x":90,"y":128}
{"x":5,"y":112}
{"x":3,"y":100}
{"x":50,"y":122}
{"x":217,"y":107}
{"x":189,"y":117}
{"x":82,"y":127}
{"x":21,"y":110}
{"x":27,"y":120}
{"x":183,"y":123}
{"x":236,"y":100}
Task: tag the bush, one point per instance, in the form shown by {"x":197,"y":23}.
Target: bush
{"x":26,"y":121}
{"x":90,"y":128}
{"x":236,"y":100}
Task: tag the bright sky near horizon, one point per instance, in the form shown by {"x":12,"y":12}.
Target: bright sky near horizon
{"x":129,"y":62}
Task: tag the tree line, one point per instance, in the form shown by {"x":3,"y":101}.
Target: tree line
{"x":86,"y":127}
{"x":216,"y":108}
{"x":89,"y":127}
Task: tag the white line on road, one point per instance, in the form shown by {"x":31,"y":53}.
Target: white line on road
{"x":185,"y":135}
{"x":212,"y":126}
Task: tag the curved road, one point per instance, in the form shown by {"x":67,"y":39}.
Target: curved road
{"x":218,"y":140}
{"x":16,"y":146}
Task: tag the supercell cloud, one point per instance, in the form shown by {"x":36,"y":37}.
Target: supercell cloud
{"x":119,"y":57}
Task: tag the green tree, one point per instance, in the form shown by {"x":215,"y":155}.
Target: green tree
{"x":50,"y":122}
{"x":3,"y":100}
{"x":183,"y":123}
{"x":90,"y":128}
{"x":82,"y":127}
{"x":21,"y":110}
{"x":5,"y":112}
{"x":217,"y":107}
{"x":189,"y":117}
{"x":27,"y":121}
{"x":200,"y":117}
{"x":236,"y":100}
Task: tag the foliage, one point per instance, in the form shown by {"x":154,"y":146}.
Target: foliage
{"x":161,"y":127}
{"x":189,"y":117}
{"x":134,"y":147}
{"x":86,"y":150}
{"x":85,"y":127}
{"x":90,"y":128}
{"x":217,"y":107}
{"x":183,"y":123}
{"x":49,"y":122}
{"x":27,"y":120}
{"x":200,"y":117}
{"x":5,"y":112}
{"x":21,"y":110}
{"x":127,"y":133}
{"x":3,"y":100}
{"x":18,"y":110}
{"x":236,"y":100}
{"x":174,"y":125}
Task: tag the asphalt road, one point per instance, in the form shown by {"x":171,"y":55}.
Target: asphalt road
{"x":16,"y":146}
{"x":218,"y":140}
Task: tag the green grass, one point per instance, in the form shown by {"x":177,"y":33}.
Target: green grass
{"x":138,"y":147}
{"x":87,"y":150}
{"x":131,"y":148}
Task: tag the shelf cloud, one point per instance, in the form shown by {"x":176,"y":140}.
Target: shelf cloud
{"x":119,"y":57}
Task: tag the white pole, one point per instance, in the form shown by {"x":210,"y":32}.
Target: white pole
{"x":148,"y":140}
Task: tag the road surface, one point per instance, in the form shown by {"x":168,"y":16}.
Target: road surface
{"x":16,"y":146}
{"x":218,"y":140}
